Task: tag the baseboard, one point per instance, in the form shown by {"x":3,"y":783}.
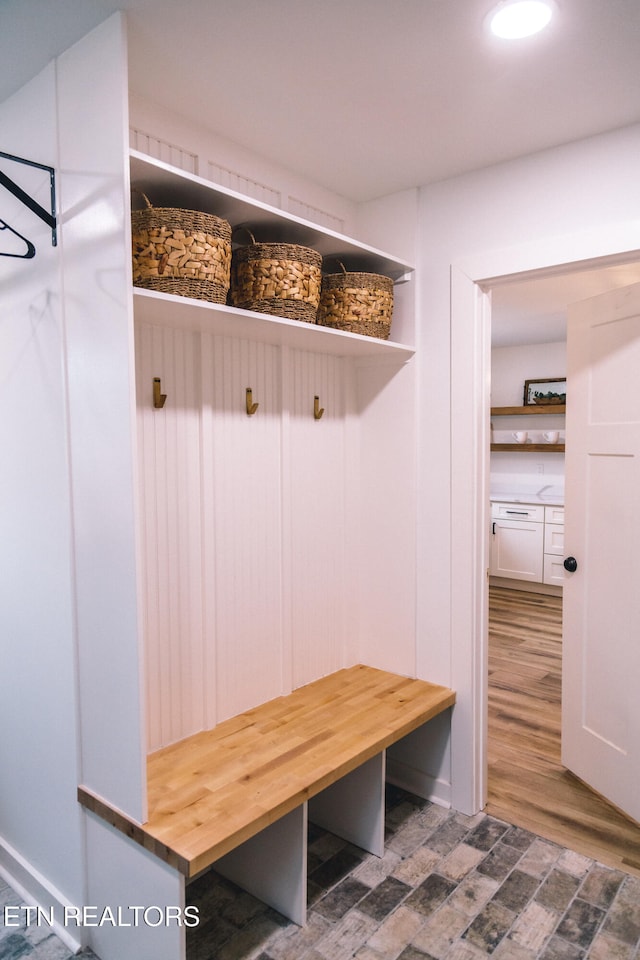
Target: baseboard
{"x":528,"y":586}
{"x":35,"y":890}
{"x":415,"y":781}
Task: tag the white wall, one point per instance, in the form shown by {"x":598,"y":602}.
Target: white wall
{"x":510,"y":367}
{"x":39,"y":824}
{"x":163,"y":134}
{"x":588,"y":190}
{"x":71,"y":706}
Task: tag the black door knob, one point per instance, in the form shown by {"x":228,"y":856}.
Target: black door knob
{"x":571,"y":564}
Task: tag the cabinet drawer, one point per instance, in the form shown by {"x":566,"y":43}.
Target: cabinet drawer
{"x":554,"y":539}
{"x":554,"y":514}
{"x":517,"y":511}
{"x":553,"y":570}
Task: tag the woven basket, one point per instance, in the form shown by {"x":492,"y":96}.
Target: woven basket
{"x":281,"y":279}
{"x":181,"y":251}
{"x":357,"y":302}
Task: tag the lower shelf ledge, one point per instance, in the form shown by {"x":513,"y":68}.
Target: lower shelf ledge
{"x":528,"y":447}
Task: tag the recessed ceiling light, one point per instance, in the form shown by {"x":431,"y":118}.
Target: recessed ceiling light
{"x":514,"y":19}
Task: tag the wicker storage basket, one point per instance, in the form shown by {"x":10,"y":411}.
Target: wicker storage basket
{"x":181,"y":251}
{"x":357,"y":302}
{"x":281,"y":279}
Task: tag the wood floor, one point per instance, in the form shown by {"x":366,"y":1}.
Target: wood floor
{"x":527,"y":784}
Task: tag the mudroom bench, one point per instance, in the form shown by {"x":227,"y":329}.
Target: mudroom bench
{"x":239,"y":795}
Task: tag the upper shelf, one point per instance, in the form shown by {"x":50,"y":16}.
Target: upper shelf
{"x":537,"y":409}
{"x":165,"y":308}
{"x":169,"y":186}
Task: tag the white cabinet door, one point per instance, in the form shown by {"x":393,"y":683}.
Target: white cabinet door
{"x":517,"y":549}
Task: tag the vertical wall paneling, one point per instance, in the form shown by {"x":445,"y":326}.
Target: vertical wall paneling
{"x":242,"y":184}
{"x":386,"y":548}
{"x":163,"y":150}
{"x":352,"y":505}
{"x":246,"y":521}
{"x":286,"y":389}
{"x":317,"y":516}
{"x":301,"y":209}
{"x":208,"y":499}
{"x":170,"y":496}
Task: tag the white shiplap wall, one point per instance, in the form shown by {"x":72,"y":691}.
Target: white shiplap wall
{"x":242,"y":524}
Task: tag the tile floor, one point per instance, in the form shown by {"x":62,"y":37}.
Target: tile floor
{"x":449,"y":887}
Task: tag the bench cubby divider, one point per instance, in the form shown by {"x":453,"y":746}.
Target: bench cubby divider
{"x":273,"y":865}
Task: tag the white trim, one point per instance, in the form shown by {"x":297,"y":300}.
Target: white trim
{"x":470,"y":352}
{"x":470,"y":388}
{"x":35,"y":890}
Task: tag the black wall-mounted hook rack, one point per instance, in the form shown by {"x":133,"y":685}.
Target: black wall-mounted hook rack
{"x":48,"y":217}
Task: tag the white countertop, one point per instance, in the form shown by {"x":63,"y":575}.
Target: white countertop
{"x":549,"y":495}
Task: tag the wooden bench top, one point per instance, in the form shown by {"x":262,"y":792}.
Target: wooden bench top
{"x":216,"y":789}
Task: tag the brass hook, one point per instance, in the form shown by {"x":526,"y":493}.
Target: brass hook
{"x":251,"y":406}
{"x":158,"y":397}
{"x":317,"y":409}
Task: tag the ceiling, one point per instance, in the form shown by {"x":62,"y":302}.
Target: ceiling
{"x":364,"y":97}
{"x":533,"y":310}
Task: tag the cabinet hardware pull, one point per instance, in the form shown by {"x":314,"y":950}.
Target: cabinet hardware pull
{"x":158,"y":397}
{"x":520,"y":513}
{"x":494,"y":528}
{"x":251,"y":406}
{"x":317,"y":409}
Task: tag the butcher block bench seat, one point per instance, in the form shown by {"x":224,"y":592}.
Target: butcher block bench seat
{"x":212,"y":791}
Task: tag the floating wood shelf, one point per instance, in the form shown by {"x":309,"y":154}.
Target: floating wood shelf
{"x":529,"y":447}
{"x":538,"y":409}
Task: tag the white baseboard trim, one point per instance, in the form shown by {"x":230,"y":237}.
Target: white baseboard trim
{"x":35,"y":890}
{"x":415,"y":781}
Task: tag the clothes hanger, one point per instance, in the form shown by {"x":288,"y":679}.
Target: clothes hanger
{"x":31,"y":250}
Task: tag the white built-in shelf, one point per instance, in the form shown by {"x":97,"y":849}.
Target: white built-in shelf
{"x":168,"y":186}
{"x":168,"y":310}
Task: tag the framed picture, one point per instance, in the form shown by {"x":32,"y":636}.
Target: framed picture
{"x":541,"y":392}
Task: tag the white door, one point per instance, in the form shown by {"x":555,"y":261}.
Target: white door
{"x":601,"y":651}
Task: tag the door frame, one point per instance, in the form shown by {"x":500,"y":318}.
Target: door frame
{"x":471,"y":281}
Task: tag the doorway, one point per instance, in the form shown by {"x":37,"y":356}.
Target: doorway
{"x":473,"y":281}
{"x":526,"y":783}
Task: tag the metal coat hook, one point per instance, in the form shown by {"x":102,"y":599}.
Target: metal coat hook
{"x":317,"y":409}
{"x":17,"y":191}
{"x":158,"y":397}
{"x":251,"y":406}
{"x":31,"y":250}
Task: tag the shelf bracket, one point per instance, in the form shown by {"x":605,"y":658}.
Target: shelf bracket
{"x":251,"y":406}
{"x":48,"y":217}
{"x":159,"y":398}
{"x":317,"y":409}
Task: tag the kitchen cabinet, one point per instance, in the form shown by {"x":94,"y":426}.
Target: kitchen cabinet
{"x":553,"y":564}
{"x":517,"y":541}
{"x":529,"y":411}
{"x":527,"y":542}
